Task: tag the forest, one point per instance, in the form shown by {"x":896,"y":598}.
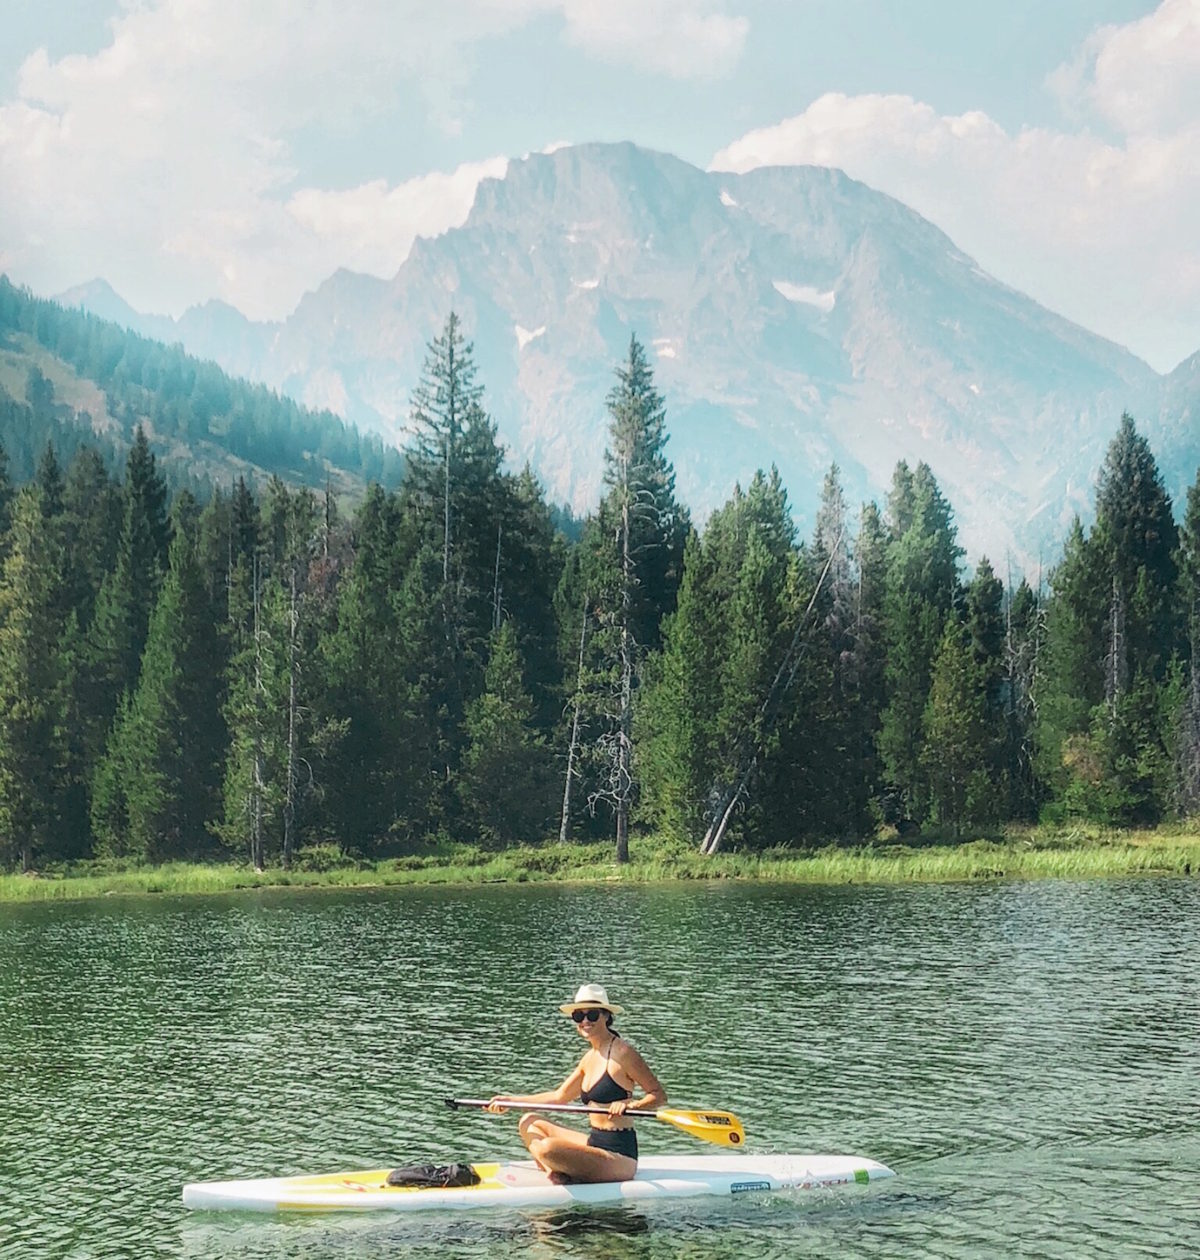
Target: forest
{"x":199,"y":673}
{"x":181,"y":403}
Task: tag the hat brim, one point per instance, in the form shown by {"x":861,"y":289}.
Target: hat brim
{"x":568,"y":1008}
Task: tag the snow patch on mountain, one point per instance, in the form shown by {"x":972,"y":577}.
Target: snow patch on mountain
{"x":524,"y":336}
{"x":807,"y":294}
{"x":664,"y":347}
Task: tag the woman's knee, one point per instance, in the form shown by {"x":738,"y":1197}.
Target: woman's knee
{"x":531,"y":1126}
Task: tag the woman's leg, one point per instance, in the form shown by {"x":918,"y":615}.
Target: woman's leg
{"x":566,"y":1152}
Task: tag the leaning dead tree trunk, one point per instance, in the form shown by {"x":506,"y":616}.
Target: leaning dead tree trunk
{"x":258,"y":789}
{"x":573,"y":746}
{"x":729,"y":796}
{"x":291,"y":778}
{"x":625,"y":723}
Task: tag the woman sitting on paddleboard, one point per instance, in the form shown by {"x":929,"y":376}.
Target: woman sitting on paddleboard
{"x":606,"y":1076}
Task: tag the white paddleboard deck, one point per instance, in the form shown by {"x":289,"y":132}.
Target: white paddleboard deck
{"x":522,"y":1184}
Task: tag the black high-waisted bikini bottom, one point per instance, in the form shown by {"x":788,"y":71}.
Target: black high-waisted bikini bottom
{"x":619,"y":1141}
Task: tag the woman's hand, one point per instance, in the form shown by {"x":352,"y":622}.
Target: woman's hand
{"x":498,"y":1105}
{"x":619,"y":1108}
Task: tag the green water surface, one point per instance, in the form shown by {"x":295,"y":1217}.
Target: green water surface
{"x":1026,"y":1056}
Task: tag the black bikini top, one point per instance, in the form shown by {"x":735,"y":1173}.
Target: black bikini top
{"x":605,"y":1090}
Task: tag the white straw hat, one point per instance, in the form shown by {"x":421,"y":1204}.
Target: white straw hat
{"x":589,"y":997}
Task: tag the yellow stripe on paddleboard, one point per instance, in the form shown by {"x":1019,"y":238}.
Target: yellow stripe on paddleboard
{"x":352,"y":1184}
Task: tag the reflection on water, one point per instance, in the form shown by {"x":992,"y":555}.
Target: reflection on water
{"x":593,"y":1231}
{"x":1024,"y":1055}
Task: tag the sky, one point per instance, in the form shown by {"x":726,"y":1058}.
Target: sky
{"x":186,"y":150}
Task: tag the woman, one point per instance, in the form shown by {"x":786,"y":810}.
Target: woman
{"x":606,"y":1076}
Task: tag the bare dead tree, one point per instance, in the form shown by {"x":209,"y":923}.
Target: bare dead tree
{"x":1116,"y":664}
{"x":258,"y":784}
{"x":573,"y":745}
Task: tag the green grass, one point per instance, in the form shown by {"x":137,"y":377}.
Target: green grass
{"x":1033,"y":853}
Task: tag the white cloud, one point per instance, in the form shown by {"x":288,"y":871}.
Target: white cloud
{"x":1100,"y":229}
{"x":170,"y":160}
{"x":1141,"y":77}
{"x":371,"y":228}
{"x":681,"y":38}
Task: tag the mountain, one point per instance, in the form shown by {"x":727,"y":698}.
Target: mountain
{"x":214,"y":330}
{"x":1177,"y":429}
{"x":70,"y":378}
{"x":794,"y":315}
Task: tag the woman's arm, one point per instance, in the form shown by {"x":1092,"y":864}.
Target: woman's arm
{"x":567,"y":1092}
{"x":653,"y":1095}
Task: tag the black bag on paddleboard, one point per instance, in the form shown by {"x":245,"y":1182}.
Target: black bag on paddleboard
{"x":438,"y":1176}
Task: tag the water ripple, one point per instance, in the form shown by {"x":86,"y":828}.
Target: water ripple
{"x":1025,"y":1055}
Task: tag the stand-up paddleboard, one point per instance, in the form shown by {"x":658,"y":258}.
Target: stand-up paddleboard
{"x":523,"y":1184}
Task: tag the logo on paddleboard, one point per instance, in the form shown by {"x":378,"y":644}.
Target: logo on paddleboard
{"x":745,"y":1187}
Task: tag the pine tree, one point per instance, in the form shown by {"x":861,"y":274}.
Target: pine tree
{"x":505,"y":781}
{"x":251,"y":791}
{"x":6,"y":497}
{"x":166,"y":749}
{"x":1023,"y":636}
{"x":1136,"y":529}
{"x":292,"y":522}
{"x":638,"y":555}
{"x":836,"y":609}
{"x":921,"y":589}
{"x":49,"y":479}
{"x":1069,"y":683}
{"x":118,"y":632}
{"x":673,"y":717}
{"x":866,"y":666}
{"x":381,"y":759}
{"x":92,"y":509}
{"x":1189,"y":605}
{"x":457,"y":500}
{"x":721,"y":691}
{"x":32,"y":710}
{"x":960,"y":740}
{"x":446,"y":399}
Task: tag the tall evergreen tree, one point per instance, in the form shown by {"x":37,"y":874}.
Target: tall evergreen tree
{"x":709,"y":722}
{"x":1023,"y":636}
{"x":383,"y":751}
{"x":92,"y":510}
{"x":6,"y":496}
{"x":127,"y":597}
{"x":836,"y":607}
{"x":32,"y":710}
{"x":166,"y":749}
{"x":866,"y":666}
{"x":638,"y":546}
{"x":505,"y":781}
{"x":1069,"y":683}
{"x":1189,"y":605}
{"x":251,"y":792}
{"x":1136,"y":529}
{"x":922,"y":581}
{"x":445,"y":402}
{"x":960,"y":737}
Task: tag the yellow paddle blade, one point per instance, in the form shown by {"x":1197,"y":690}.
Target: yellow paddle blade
{"x":719,"y":1127}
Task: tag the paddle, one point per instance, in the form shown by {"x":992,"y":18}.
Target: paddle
{"x":719,"y":1127}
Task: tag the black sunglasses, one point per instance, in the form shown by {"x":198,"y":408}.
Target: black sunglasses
{"x":590,"y":1016}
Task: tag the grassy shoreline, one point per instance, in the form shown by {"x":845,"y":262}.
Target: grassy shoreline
{"x":1033,"y":853}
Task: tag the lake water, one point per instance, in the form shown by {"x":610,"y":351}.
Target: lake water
{"x":1026,"y":1056}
